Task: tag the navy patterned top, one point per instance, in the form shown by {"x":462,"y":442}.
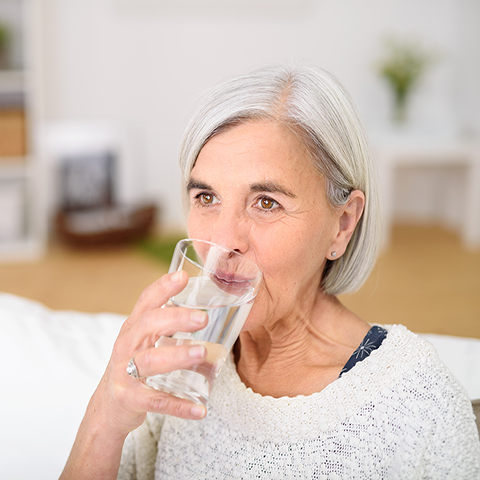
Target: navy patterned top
{"x":372,"y":340}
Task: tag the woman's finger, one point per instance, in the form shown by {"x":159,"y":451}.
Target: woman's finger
{"x":153,"y":361}
{"x":145,"y":399}
{"x":158,"y":293}
{"x":163,"y":321}
{"x":177,"y":407}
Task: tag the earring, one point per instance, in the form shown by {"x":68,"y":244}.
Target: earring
{"x":333,"y":254}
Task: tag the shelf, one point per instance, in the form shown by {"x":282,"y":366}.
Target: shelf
{"x":23,"y":216}
{"x":13,"y":125}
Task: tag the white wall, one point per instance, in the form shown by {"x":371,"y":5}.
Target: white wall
{"x":142,"y":63}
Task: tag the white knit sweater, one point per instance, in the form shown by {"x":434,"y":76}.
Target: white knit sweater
{"x":398,"y":414}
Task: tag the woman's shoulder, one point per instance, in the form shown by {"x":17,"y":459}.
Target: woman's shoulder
{"x":401,"y":352}
{"x":409,"y":363}
{"x":404,"y":348}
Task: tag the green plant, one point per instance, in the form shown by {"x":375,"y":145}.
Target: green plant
{"x":4,"y":41}
{"x":402,"y":66}
{"x":4,"y":35}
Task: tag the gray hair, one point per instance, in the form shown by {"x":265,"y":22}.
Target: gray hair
{"x":317,"y":108}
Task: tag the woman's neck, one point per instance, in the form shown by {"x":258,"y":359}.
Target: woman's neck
{"x":301,"y":354}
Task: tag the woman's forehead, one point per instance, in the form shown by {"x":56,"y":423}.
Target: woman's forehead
{"x":265,"y":153}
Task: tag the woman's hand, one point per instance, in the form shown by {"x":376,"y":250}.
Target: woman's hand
{"x":127,"y":398}
{"x":120,"y":402}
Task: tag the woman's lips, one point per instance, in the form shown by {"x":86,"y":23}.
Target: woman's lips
{"x":232,"y":283}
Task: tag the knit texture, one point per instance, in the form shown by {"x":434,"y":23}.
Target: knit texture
{"x":398,"y":414}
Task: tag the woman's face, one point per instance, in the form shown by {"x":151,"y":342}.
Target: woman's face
{"x":254,"y":190}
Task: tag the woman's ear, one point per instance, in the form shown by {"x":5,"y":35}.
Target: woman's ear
{"x":348,"y":217}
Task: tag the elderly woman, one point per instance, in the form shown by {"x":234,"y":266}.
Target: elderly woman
{"x":277,"y":167}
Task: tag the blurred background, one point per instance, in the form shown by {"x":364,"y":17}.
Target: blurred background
{"x":95,"y":95}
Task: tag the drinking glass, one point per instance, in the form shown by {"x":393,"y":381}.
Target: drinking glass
{"x":223,"y":283}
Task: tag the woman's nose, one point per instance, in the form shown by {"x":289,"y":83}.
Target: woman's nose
{"x":231,"y":230}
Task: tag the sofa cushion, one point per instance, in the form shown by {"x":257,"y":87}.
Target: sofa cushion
{"x":52,"y":361}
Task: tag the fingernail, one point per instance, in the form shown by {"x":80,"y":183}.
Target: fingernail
{"x":198,"y":316}
{"x":177,"y":276}
{"x":198,"y":411}
{"x":198,"y":351}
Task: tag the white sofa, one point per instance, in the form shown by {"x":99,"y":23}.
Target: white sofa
{"x":53,"y":360}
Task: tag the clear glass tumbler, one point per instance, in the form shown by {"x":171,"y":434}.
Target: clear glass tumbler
{"x":223,"y":283}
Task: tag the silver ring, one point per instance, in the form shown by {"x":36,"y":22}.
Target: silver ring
{"x":132,"y":368}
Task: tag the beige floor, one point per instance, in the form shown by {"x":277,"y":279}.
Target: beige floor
{"x":90,"y":280}
{"x":425,"y":280}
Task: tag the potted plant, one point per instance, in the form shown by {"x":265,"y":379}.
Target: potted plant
{"x":403,"y":65}
{"x":4,"y":41}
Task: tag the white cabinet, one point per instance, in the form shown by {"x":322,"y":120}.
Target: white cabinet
{"x":22,"y":216}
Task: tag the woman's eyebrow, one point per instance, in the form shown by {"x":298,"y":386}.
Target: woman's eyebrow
{"x":197,"y":185}
{"x":271,"y":187}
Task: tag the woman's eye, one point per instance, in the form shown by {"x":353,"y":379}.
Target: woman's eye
{"x":205,"y":198}
{"x":267,"y":203}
